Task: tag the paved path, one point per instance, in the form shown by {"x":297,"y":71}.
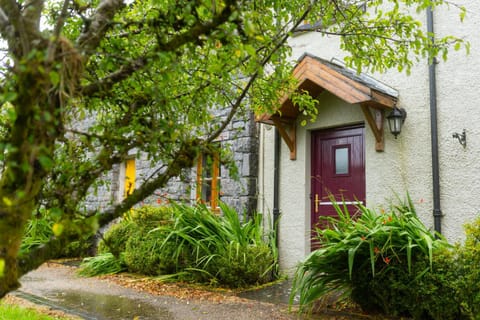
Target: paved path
{"x":92,"y":298}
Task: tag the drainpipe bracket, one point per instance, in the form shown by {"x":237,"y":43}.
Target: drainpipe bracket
{"x":437,"y":213}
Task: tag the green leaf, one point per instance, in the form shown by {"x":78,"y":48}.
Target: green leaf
{"x":250,"y":28}
{"x":46,"y":162}
{"x":55,"y":213}
{"x":9,"y":96}
{"x":2,"y":268}
{"x":11,"y":114}
{"x":54,"y":78}
{"x":7,"y":201}
{"x":463,"y":13}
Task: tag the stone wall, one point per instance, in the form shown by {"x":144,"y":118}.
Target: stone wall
{"x":240,"y":138}
{"x":243,"y":140}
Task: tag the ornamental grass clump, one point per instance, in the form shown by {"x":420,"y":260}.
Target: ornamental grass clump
{"x":105,"y":263}
{"x":37,"y":232}
{"x":222,"y":249}
{"x":368,"y":257}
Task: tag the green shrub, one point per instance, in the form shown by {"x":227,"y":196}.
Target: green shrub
{"x":423,"y":293}
{"x":451,"y":290}
{"x":83,"y":247}
{"x":116,"y":237}
{"x":146,"y":253}
{"x":143,"y":218}
{"x":468,"y":263}
{"x":194,"y":243}
{"x":377,"y":259}
{"x":242,"y":266}
{"x":149,"y":216}
{"x":436,"y":292}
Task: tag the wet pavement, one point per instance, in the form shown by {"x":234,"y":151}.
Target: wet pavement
{"x":277,"y":293}
{"x":99,"y":306}
{"x":58,"y":287}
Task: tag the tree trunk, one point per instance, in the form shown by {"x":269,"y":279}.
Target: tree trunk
{"x":27,"y":160}
{"x":11,"y":232}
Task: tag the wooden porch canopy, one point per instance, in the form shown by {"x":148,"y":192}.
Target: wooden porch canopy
{"x":316,"y":75}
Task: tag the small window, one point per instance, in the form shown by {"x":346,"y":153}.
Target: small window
{"x":208,"y":180}
{"x":342,"y":162}
{"x":130,"y":175}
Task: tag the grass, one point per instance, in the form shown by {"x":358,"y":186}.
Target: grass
{"x":13,"y":312}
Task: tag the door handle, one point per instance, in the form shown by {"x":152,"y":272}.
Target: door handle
{"x":317,"y":202}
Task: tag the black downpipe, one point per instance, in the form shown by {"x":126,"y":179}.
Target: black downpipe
{"x":276,"y":183}
{"x":437,"y":212}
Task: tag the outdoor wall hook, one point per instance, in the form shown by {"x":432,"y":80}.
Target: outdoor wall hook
{"x":462,"y":137}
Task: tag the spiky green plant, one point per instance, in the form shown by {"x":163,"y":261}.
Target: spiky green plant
{"x":37,"y":232}
{"x":105,"y":263}
{"x":216,"y":243}
{"x":355,"y":250}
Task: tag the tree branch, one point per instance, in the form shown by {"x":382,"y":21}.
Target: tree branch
{"x":183,"y":159}
{"x":199,"y":29}
{"x":104,"y":160}
{"x":16,"y":34}
{"x":32,"y":12}
{"x":252,"y":79}
{"x":56,"y":32}
{"x":98,"y":26}
{"x":172,"y":45}
{"x":105,"y":84}
{"x":6,"y":29}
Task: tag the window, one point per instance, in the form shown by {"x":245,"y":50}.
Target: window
{"x":208,"y":180}
{"x":130,"y":175}
{"x":342,"y":155}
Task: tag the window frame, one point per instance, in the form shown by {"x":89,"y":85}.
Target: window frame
{"x":213,"y":180}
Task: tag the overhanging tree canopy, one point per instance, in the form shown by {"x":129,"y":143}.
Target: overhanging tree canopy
{"x":150,"y":74}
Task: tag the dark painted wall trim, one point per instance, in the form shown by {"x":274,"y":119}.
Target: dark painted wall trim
{"x":276,"y":183}
{"x":437,"y":212}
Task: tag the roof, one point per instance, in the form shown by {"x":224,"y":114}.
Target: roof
{"x":363,"y":78}
{"x":316,"y":75}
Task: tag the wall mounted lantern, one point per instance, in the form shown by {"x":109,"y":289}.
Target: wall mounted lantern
{"x":396,"y":118}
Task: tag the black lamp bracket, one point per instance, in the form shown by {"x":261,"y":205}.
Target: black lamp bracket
{"x":462,"y":137}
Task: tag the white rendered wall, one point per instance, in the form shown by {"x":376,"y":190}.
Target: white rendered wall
{"x":458,"y":105}
{"x":405,"y":165}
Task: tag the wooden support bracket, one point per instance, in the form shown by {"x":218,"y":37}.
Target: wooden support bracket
{"x":288,"y":133}
{"x":375,"y":121}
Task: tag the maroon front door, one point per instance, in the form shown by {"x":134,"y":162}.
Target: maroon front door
{"x":338,"y":170}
